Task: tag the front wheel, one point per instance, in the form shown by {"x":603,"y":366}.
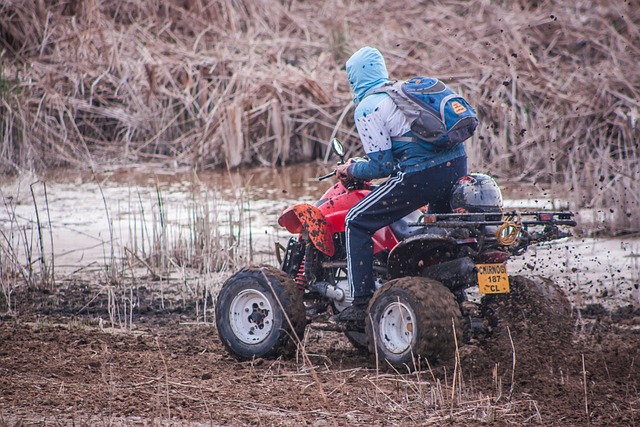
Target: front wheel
{"x":413,"y":319}
{"x":260,"y":313}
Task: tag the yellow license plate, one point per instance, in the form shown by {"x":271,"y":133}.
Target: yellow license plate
{"x":493,"y":278}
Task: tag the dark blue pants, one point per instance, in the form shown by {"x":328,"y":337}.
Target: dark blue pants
{"x":395,"y":198}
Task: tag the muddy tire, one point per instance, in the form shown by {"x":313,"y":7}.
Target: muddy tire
{"x":413,"y":319}
{"x":358,"y":340}
{"x":252,"y":309}
{"x":534,"y":302}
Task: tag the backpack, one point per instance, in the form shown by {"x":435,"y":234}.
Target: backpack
{"x":436,"y":113}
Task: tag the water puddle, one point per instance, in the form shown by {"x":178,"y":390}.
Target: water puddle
{"x":84,"y":219}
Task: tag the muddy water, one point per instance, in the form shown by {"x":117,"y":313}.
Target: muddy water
{"x":86,"y":219}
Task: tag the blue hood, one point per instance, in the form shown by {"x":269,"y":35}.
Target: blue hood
{"x":366,"y":70}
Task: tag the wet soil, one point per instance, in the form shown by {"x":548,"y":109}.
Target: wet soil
{"x":61,"y":363}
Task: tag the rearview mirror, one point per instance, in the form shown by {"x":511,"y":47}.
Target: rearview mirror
{"x":338,"y":148}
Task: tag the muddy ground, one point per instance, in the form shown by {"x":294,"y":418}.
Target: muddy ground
{"x":61,"y":363}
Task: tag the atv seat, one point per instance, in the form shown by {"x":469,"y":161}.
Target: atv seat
{"x":402,"y":228}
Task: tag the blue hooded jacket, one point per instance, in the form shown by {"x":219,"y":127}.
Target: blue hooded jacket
{"x":366,"y":70}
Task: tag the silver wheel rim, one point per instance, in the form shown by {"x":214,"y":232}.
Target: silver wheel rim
{"x":251,"y":316}
{"x":396,"y":327}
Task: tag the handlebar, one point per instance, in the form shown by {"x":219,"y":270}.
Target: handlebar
{"x":329,"y":175}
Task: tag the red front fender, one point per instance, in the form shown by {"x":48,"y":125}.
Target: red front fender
{"x":308,"y":217}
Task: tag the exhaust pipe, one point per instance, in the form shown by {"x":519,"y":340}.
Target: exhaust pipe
{"x":328,"y":290}
{"x":456,"y":274}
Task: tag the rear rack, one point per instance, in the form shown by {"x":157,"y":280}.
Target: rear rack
{"x":459,"y":220}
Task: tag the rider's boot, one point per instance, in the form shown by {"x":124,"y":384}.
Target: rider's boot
{"x":355,"y":313}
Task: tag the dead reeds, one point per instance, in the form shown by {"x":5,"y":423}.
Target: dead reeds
{"x":26,"y":250}
{"x":221,"y":83}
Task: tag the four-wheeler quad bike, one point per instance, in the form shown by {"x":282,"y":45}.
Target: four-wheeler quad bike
{"x":423,"y":264}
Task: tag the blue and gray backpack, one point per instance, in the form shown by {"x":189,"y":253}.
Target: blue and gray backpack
{"x":436,"y":113}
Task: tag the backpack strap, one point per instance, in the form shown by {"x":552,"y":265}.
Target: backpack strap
{"x":404,"y":139}
{"x":380,"y":89}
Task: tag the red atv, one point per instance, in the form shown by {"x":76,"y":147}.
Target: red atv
{"x":424,"y":263}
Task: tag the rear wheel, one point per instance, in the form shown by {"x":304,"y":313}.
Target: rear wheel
{"x":358,"y":339}
{"x":534,"y":302}
{"x":260,"y":313}
{"x":413,"y":319}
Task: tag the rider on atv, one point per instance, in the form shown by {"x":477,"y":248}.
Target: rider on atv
{"x":419,"y":174}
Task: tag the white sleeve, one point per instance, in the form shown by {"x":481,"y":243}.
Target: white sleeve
{"x":377,"y":122}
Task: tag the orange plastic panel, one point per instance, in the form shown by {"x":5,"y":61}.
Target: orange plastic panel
{"x":309,"y":217}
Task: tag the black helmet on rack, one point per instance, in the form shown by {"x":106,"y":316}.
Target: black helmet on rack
{"x":476,"y":193}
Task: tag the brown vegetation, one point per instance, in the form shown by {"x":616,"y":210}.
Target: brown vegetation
{"x":212,"y":83}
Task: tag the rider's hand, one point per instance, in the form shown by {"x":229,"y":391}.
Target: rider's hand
{"x":342,"y":172}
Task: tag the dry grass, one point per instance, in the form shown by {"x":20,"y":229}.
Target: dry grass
{"x":214,"y":83}
{"x":183,"y":247}
{"x":26,"y":250}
